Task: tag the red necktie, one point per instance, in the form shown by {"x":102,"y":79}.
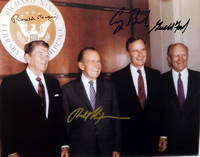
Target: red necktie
{"x":141,"y":90}
{"x":41,"y":93}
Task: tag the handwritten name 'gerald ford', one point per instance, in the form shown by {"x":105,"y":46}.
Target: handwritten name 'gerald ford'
{"x":97,"y":115}
{"x":173,"y":25}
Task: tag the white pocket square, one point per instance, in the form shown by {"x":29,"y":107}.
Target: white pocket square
{"x":56,"y":95}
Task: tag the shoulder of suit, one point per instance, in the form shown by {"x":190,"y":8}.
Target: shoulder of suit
{"x":166,"y":74}
{"x":151,"y":70}
{"x":194,"y":72}
{"x":71,"y":83}
{"x":50,"y":77}
{"x":105,"y":81}
{"x":121,"y":71}
{"x":14,"y":77}
{"x":106,"y":84}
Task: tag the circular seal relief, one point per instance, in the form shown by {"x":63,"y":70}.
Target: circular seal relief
{"x":22,"y":21}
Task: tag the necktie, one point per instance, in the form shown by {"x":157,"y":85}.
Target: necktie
{"x":181,"y":96}
{"x":41,"y":93}
{"x":92,"y":94}
{"x":141,"y":90}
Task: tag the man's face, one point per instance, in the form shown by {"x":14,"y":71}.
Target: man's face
{"x":90,"y":64}
{"x":178,"y":58}
{"x":138,"y":54}
{"x":38,"y":59}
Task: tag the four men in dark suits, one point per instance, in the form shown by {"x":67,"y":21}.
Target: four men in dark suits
{"x":32,"y":118}
{"x":138,"y":94}
{"x":33,"y":122}
{"x":181,"y":87}
{"x":86,"y":99}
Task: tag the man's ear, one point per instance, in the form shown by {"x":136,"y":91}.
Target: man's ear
{"x":169,"y":61}
{"x":81,"y":66}
{"x":27,"y":57}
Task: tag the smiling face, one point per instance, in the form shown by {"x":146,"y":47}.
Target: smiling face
{"x":90,"y":64}
{"x":138,"y":54}
{"x":178,"y":57}
{"x":38,"y":59}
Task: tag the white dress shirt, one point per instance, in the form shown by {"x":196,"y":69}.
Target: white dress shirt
{"x":135,"y":76}
{"x":35,"y":84}
{"x":86,"y":85}
{"x":184,"y":78}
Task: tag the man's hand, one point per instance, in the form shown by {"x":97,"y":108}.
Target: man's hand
{"x":65,"y":152}
{"x":115,"y":154}
{"x":14,"y":155}
{"x":162,"y":144}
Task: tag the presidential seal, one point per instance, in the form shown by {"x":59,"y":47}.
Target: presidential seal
{"x":22,"y":21}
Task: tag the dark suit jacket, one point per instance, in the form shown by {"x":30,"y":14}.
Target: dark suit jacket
{"x":86,"y":137}
{"x":181,"y":125}
{"x":140,"y":134}
{"x":25,"y":128}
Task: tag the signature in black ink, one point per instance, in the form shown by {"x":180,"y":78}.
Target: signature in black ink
{"x":136,"y":16}
{"x":97,"y":115}
{"x":17,"y":17}
{"x":173,"y":25}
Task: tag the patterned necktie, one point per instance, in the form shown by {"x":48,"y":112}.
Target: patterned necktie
{"x":141,"y":90}
{"x":181,"y":95}
{"x":92,"y":94}
{"x":41,"y":93}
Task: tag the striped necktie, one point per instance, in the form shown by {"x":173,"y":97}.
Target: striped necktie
{"x":92,"y":94}
{"x":181,"y":95}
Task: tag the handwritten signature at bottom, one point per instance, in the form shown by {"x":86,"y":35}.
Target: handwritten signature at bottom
{"x":97,"y":115}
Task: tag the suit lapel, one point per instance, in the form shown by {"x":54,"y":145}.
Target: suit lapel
{"x":98,"y":93}
{"x":191,"y":92}
{"x":29,"y":84}
{"x":174,"y":96}
{"x":149,"y":84}
{"x":29,"y":89}
{"x":80,"y":90}
{"x":130,"y":83}
{"x":49,"y":90}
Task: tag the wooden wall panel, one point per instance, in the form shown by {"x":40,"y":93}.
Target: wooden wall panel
{"x":84,"y":27}
{"x":109,"y":3}
{"x":90,"y":28}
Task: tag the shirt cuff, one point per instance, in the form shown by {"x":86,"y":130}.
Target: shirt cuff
{"x":163,"y":137}
{"x":65,"y":146}
{"x":12,"y":154}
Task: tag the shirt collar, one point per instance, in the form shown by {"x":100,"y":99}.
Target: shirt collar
{"x":133,"y":68}
{"x":86,"y":80}
{"x":183,"y":72}
{"x":32,"y":75}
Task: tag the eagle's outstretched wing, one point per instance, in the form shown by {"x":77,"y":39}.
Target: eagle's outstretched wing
{"x":23,"y":28}
{"x":43,"y":29}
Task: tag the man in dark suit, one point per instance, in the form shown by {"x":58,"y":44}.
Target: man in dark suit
{"x":180,"y":126}
{"x":90,"y":94}
{"x":138,"y":94}
{"x":33,"y":122}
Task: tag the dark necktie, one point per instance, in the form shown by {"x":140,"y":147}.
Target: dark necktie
{"x":141,"y":90}
{"x":181,"y":95}
{"x":41,"y":93}
{"x":92,"y":94}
